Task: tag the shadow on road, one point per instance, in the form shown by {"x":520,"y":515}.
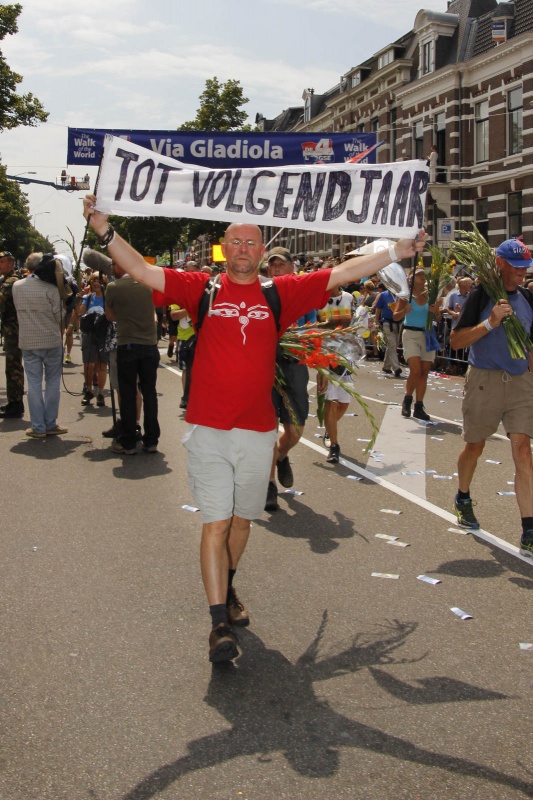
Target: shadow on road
{"x":131,"y":468}
{"x":50,"y":448}
{"x":322,"y":533}
{"x":272,"y":707}
{"x":520,"y":573}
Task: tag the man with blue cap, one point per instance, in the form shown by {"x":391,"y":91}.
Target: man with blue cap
{"x":498,"y":388}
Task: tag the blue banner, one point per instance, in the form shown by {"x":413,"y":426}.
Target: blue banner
{"x":230,"y":150}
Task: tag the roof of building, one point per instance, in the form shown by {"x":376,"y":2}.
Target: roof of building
{"x":472,"y":37}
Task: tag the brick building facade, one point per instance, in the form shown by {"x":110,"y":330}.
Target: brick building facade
{"x":461,"y":80}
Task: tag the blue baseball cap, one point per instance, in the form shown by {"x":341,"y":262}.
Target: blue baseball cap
{"x":515,"y":253}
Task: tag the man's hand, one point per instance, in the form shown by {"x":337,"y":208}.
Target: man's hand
{"x":501,"y":310}
{"x":360,"y":267}
{"x":123,"y":253}
{"x":96,"y":219}
{"x":407,"y":248}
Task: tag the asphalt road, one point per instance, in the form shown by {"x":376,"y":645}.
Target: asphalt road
{"x":348,"y":686}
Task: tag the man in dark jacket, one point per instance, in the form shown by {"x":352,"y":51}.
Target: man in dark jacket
{"x":14,"y":408}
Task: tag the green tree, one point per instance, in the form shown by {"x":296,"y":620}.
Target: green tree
{"x":15,"y":109}
{"x":16,"y":233}
{"x":220,"y":108}
{"x":151,"y":236}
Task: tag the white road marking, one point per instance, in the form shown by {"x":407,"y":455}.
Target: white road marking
{"x":400,"y":490}
{"x":404,"y":450}
{"x":419,"y":501}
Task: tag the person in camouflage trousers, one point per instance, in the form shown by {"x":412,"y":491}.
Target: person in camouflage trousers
{"x":14,"y":408}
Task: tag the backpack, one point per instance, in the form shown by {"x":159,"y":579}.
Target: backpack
{"x":50,"y":270}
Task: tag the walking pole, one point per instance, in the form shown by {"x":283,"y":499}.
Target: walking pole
{"x":78,"y":262}
{"x":113,"y":405}
{"x":274,"y":237}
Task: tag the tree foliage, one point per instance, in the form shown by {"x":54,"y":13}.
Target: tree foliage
{"x":16,"y":232}
{"x":220,"y":108}
{"x":151,"y":236}
{"x":15,"y":109}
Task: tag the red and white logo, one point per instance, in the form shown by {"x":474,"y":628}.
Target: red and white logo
{"x":318,"y":151}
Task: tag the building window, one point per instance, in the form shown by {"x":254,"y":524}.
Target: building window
{"x":418,"y":140}
{"x":374,"y":124}
{"x":307,"y":109}
{"x":392,"y":134}
{"x":356,"y":79}
{"x":482,"y":131}
{"x":385,"y":58}
{"x":482,"y":216}
{"x":514,"y":117}
{"x":440,"y":143}
{"x":427,"y":57}
{"x":514,"y":214}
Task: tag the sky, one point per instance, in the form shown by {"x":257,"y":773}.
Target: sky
{"x":142,"y":64}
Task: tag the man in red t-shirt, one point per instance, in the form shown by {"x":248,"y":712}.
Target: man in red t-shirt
{"x":232,"y":421}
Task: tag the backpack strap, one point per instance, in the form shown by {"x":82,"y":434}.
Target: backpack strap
{"x":209,"y":293}
{"x":527,"y":294}
{"x":268,"y":287}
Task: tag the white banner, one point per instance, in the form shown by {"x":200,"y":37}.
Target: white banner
{"x":353,"y":199}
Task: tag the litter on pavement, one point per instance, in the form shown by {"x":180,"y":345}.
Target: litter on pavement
{"x":384,"y":575}
{"x":460,"y":613}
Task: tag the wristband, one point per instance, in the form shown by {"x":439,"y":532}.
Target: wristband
{"x":392,"y":253}
{"x":487,"y":325}
{"x":107,"y":237}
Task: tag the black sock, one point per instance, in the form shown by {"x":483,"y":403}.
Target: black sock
{"x":218,"y":614}
{"x":527,"y":524}
{"x":463,"y":495}
{"x":231,"y":575}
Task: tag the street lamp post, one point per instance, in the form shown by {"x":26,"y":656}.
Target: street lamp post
{"x":34,"y":217}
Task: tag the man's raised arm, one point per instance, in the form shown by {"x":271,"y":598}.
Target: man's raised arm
{"x":362,"y":266}
{"x":123,"y":253}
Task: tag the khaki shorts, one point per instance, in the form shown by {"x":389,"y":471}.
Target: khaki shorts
{"x":414,"y":346}
{"x":492,"y":396}
{"x":229,"y":470}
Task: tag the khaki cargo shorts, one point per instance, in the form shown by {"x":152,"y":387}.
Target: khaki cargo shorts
{"x":414,"y":345}
{"x":492,"y":396}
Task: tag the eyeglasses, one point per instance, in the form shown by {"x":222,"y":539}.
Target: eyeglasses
{"x":247,"y":242}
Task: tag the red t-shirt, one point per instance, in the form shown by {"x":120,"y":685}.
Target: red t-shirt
{"x":234,"y":362}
